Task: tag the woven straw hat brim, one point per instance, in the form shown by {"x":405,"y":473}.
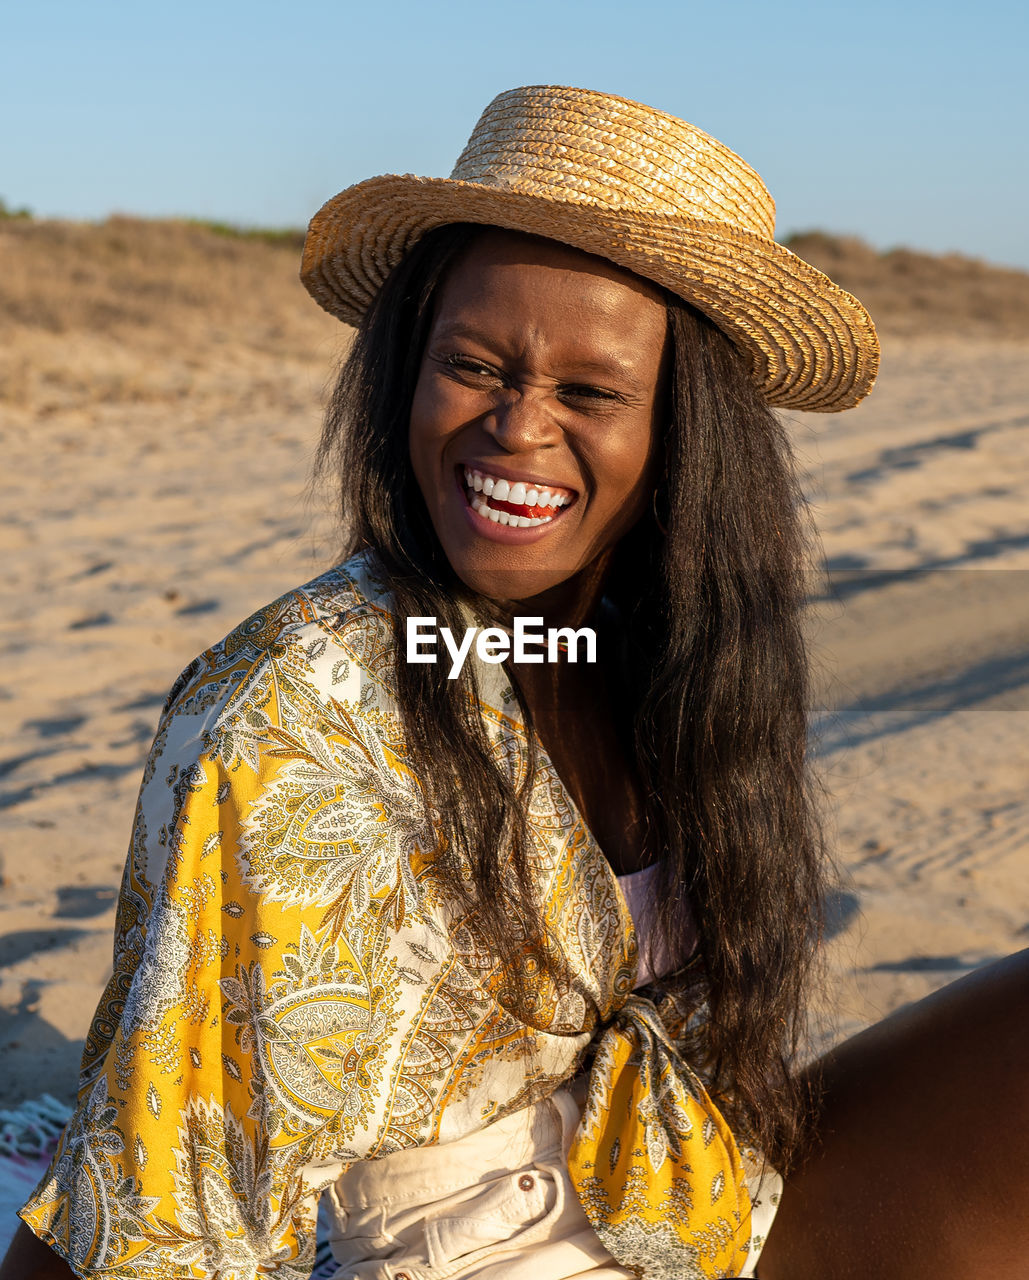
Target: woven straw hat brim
{"x":812,"y":345}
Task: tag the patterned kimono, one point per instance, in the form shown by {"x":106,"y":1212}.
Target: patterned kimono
{"x":293,"y":992}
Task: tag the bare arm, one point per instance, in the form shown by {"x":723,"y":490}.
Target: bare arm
{"x":920,"y":1171}
{"x":28,"y":1258}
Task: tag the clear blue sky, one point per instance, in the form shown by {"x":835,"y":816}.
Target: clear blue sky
{"x":904,"y":122}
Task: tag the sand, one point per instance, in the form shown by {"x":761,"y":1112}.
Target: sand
{"x":135,"y":532}
{"x":921,"y":495}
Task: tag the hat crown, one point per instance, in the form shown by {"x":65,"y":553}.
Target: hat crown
{"x":583,"y":147}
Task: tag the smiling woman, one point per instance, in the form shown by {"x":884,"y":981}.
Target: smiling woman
{"x":542,"y":368}
{"x":511,"y":968}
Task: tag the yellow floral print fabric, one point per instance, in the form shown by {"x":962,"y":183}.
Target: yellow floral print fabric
{"x":292,"y":991}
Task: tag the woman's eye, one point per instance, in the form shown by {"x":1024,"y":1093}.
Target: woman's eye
{"x":586,"y":393}
{"x":471,"y":368}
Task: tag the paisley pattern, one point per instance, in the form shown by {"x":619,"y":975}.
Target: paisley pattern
{"x":293,"y":992}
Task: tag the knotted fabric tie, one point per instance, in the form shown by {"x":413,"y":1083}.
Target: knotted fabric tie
{"x":653,"y":1161}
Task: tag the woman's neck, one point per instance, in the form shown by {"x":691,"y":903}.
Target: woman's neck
{"x":586,"y":730}
{"x":572,"y":603}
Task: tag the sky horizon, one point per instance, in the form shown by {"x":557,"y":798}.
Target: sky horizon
{"x":904,"y":128}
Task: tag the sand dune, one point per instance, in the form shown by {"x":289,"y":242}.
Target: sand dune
{"x":161,"y":390}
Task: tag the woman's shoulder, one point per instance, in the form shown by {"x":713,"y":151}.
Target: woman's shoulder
{"x":346,"y":610}
{"x":279,"y":694}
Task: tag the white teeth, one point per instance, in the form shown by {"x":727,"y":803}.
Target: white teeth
{"x":502,"y":517}
{"x":520,"y":492}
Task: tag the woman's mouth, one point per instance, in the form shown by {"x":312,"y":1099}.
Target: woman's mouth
{"x":521,"y":504}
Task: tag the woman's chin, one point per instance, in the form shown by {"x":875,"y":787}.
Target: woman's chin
{"x":511,"y":585}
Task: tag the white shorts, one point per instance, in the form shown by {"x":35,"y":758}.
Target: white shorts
{"x":498,"y":1204}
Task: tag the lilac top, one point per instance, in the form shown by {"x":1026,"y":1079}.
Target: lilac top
{"x":638,"y":890}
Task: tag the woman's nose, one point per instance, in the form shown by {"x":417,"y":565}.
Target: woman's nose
{"x":522,"y":421}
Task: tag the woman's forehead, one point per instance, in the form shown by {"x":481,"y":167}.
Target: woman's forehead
{"x":521,"y":292}
{"x":496,"y":247}
{"x":558,"y":310}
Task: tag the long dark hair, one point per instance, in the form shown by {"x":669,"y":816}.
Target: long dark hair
{"x":710,"y":594}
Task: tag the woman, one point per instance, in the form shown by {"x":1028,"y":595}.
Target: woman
{"x":512,"y":964}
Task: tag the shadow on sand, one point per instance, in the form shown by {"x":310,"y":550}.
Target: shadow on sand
{"x":897,"y":710}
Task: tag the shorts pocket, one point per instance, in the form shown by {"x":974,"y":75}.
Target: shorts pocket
{"x":496,"y":1213}
{"x":360,"y":1238}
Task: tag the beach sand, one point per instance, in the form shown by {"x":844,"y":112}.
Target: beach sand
{"x":921,"y":649}
{"x":141,"y":521}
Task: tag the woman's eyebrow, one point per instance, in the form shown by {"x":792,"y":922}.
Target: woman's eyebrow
{"x":461,"y":329}
{"x":609,"y":367}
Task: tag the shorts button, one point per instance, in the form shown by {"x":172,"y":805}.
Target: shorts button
{"x":526,"y":1182}
{"x":401,"y":1275}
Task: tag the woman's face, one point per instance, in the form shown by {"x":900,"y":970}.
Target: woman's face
{"x":537,"y":412}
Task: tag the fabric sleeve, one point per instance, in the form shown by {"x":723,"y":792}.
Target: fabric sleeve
{"x":270,"y":964}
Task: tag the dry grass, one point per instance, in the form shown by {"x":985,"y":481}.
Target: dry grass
{"x":912,"y":293}
{"x":130,"y":311}
{"x":136,"y":311}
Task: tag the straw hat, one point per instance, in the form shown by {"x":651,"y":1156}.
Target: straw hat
{"x":630,"y":184}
